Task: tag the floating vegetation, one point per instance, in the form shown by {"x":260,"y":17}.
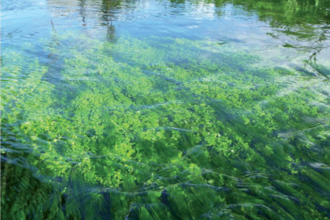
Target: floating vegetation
{"x":162,"y":128}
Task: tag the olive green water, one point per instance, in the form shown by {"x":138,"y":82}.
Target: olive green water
{"x":165,"y":110}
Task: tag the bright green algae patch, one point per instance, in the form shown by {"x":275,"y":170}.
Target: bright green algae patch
{"x":162,"y":128}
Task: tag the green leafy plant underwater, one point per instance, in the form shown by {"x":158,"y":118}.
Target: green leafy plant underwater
{"x":161,"y":128}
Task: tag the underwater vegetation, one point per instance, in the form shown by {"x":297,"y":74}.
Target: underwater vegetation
{"x":162,"y":128}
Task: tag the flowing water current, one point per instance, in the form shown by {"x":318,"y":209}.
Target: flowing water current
{"x":165,"y":109}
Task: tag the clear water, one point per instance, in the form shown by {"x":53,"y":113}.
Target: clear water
{"x":165,"y":109}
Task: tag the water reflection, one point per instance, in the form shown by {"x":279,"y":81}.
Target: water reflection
{"x":108,"y":9}
{"x":306,"y":23}
{"x":296,"y":25}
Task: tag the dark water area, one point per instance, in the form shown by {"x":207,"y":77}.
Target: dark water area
{"x":165,"y":109}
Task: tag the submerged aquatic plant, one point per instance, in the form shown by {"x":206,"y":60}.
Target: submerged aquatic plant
{"x":162,"y":128}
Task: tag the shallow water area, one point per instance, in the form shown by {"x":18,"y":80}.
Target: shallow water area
{"x":165,"y":109}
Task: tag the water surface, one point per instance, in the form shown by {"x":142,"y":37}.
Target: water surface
{"x":165,"y":109}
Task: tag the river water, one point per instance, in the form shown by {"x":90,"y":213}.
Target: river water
{"x":160,"y":109}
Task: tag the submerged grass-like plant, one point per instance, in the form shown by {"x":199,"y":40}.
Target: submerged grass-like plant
{"x":162,"y":128}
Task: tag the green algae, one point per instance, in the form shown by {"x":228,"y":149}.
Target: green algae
{"x":162,"y":128}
